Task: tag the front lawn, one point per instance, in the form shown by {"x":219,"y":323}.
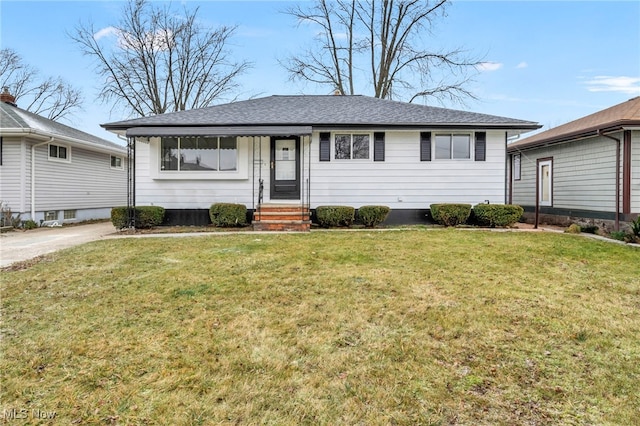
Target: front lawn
{"x":398,"y":327}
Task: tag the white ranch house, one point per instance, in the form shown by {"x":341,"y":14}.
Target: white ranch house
{"x":309,"y":151}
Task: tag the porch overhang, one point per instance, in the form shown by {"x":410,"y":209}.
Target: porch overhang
{"x":223,"y":131}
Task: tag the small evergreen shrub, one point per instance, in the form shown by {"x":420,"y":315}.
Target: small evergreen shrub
{"x":618,"y":235}
{"x":589,"y":229}
{"x":372,"y":216}
{"x":29,"y":224}
{"x":450,"y":214}
{"x":145,"y":216}
{"x":497,"y":214}
{"x":635,"y":227}
{"x":333,"y":216}
{"x":228,"y":215}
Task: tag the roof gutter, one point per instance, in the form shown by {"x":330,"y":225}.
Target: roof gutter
{"x":601,"y":133}
{"x":20,"y":132}
{"x":33,"y":175}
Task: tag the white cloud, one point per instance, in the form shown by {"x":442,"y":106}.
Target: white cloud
{"x":489,"y":66}
{"x":522,"y":65}
{"x":622,"y":84}
{"x":106,"y":32}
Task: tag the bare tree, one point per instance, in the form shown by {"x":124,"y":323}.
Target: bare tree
{"x":380,"y":43}
{"x":51,"y":97}
{"x":162,"y":61}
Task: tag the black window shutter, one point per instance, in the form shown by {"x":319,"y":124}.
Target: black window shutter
{"x":425,"y":146}
{"x":378,"y":146}
{"x":481,"y":146}
{"x":325,"y":146}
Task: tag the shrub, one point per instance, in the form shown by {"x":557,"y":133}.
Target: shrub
{"x":29,"y":224}
{"x":573,"y":229}
{"x":228,"y":215}
{"x":589,"y":229}
{"x":497,"y":214}
{"x":450,"y":214}
{"x":635,"y":227}
{"x":618,"y":235}
{"x":145,"y":216}
{"x":332,"y":216}
{"x":371,"y":216}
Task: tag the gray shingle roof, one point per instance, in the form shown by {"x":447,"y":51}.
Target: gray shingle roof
{"x":323,"y":111}
{"x":16,"y":118}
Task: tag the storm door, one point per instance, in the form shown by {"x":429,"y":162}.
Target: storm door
{"x":285,"y":168}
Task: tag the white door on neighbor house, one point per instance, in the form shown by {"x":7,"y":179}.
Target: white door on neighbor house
{"x":545,"y":182}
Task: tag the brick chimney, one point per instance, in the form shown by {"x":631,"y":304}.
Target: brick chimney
{"x":7,"y":97}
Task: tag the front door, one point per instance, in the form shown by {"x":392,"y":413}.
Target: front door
{"x":285,"y":168}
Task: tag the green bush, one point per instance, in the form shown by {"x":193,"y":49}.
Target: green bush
{"x":29,"y":224}
{"x":635,"y":227}
{"x":332,"y":216}
{"x":450,"y":214}
{"x":371,"y":216}
{"x":228,"y":215}
{"x":497,"y":214}
{"x":145,"y":216}
{"x":589,"y":229}
{"x":618,"y":235}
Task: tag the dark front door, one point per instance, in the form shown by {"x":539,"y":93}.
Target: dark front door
{"x":285,"y":168}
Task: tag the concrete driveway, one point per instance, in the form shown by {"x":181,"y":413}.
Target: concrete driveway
{"x":17,"y":246}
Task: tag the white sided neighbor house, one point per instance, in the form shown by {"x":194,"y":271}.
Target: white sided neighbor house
{"x":296,"y":153}
{"x":54,"y":174}
{"x":586,"y":171}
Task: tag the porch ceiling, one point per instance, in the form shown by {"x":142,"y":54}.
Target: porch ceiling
{"x":219,"y":131}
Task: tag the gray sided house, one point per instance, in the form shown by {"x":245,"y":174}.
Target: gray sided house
{"x":585,"y":171}
{"x":302,"y":152}
{"x":52,"y":173}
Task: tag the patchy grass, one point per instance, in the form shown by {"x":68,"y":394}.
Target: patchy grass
{"x":399,"y":327}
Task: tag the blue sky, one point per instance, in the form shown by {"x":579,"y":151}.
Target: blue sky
{"x":546,"y":61}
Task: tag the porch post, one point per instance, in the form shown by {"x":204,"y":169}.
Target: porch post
{"x":131,"y":183}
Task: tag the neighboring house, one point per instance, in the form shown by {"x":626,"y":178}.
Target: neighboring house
{"x":585,"y":171}
{"x":308,"y":151}
{"x":52,"y":173}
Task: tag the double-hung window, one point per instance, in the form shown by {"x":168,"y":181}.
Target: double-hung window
{"x":58,"y":152}
{"x":195,"y":154}
{"x":453,"y":146}
{"x":116,"y":162}
{"x":352,"y":146}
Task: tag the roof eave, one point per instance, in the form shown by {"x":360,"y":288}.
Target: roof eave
{"x":22,"y":132}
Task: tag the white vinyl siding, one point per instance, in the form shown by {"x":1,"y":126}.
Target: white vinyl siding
{"x":583,"y":175}
{"x":635,"y":171}
{"x":88,"y":182}
{"x":196,"y":190}
{"x":402,"y":181}
{"x":14,"y":174}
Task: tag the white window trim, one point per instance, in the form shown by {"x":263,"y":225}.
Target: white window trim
{"x":540,"y":187}
{"x":517,"y":167}
{"x":241,"y":174}
{"x":351,"y":133}
{"x":121,"y":167}
{"x":56,"y":159}
{"x":472,"y":139}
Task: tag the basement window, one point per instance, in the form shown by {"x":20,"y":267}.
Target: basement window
{"x":50,"y":215}
{"x":69,"y":214}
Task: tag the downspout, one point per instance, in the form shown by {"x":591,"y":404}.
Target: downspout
{"x":33,"y":175}
{"x":600,"y":133}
